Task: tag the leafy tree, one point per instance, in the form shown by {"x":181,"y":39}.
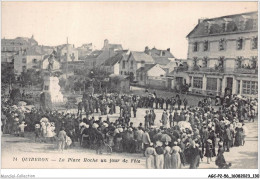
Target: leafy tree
{"x":15,"y":96}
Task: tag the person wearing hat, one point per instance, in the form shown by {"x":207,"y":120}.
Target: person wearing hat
{"x":175,"y":159}
{"x":61,"y":139}
{"x":150,"y":153}
{"x":146,"y":139}
{"x":204,"y":137}
{"x":167,"y":156}
{"x":159,"y":158}
{"x":227,"y":137}
{"x":139,"y":139}
{"x":239,"y":135}
{"x":21,"y":127}
{"x":146,"y":120}
{"x":208,"y":152}
{"x":220,"y":159}
{"x":37,"y":132}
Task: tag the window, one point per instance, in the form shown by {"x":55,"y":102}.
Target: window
{"x":163,"y":53}
{"x":239,"y":62}
{"x":34,"y":60}
{"x":141,"y":77}
{"x":239,"y":44}
{"x":197,"y":82}
{"x":205,"y":62}
{"x":195,"y":47}
{"x":132,"y":65}
{"x":212,"y":84}
{"x":222,"y":44}
{"x":24,"y":68}
{"x":238,"y":86}
{"x":250,"y":87}
{"x":254,"y":42}
{"x":123,"y":65}
{"x":206,"y":45}
{"x":46,"y":87}
{"x":24,"y":60}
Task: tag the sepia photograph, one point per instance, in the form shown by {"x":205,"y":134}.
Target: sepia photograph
{"x":129,"y":85}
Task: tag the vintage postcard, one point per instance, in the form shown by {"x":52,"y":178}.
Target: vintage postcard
{"x":129,"y":85}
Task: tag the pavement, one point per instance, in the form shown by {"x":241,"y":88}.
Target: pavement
{"x":16,"y":151}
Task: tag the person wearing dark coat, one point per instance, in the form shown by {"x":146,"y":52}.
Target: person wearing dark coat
{"x":134,"y":109}
{"x":185,"y":103}
{"x":194,"y":156}
{"x":212,"y":137}
{"x":204,"y":137}
{"x":227,"y":138}
{"x":220,"y":160}
{"x":179,"y":103}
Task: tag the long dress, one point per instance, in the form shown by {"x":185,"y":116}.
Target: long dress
{"x":239,"y":137}
{"x":167,"y":158}
{"x":175,"y":160}
{"x":149,"y":154}
{"x":195,"y":157}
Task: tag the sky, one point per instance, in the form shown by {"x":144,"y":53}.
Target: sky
{"x":133,"y":24}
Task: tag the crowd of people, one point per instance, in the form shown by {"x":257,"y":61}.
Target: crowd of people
{"x":183,"y":135}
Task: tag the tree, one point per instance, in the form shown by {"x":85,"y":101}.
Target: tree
{"x":7,"y":73}
{"x":15,"y":96}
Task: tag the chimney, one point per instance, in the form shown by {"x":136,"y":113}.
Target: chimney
{"x":201,"y":20}
{"x":168,"y":49}
{"x":160,"y":53}
{"x":105,"y":43}
{"x":146,"y":50}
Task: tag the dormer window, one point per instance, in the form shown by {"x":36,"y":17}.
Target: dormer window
{"x":254,"y":42}
{"x":240,"y":44}
{"x":206,"y":45}
{"x":195,"y":47}
{"x":163,"y":53}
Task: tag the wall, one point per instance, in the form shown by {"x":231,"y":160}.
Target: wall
{"x":230,"y":50}
{"x":71,"y":51}
{"x":156,"y":71}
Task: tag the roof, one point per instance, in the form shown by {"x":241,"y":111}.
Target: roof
{"x":120,"y":77}
{"x":160,"y":53}
{"x":31,"y":52}
{"x":141,"y":56}
{"x":94,"y":54}
{"x":161,"y":60}
{"x":232,"y":25}
{"x":146,"y":68}
{"x":113,"y":60}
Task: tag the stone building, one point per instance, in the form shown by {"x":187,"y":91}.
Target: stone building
{"x":222,"y":56}
{"x":27,"y":59}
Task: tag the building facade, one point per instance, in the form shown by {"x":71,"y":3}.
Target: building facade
{"x":67,"y":51}
{"x":223,"y":56}
{"x":151,"y":75}
{"x":27,"y":59}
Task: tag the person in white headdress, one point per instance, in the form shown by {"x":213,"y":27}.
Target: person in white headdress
{"x":150,"y":153}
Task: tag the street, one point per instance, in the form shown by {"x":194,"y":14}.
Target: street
{"x":243,"y":157}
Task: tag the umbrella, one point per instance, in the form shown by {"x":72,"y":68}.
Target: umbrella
{"x":21,"y":103}
{"x":184,"y":125}
{"x":157,"y":136}
{"x":166,"y":138}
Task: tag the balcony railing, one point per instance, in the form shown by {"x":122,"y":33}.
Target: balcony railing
{"x":246,"y":71}
{"x":181,"y":68}
{"x":207,"y":69}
